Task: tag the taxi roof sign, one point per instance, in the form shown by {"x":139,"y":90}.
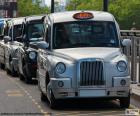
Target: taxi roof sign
{"x":83,"y":15}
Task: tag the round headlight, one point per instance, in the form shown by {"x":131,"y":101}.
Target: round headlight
{"x":60,"y":68}
{"x":122,"y":66}
{"x":32,"y":55}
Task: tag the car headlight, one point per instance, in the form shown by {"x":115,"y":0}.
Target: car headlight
{"x":121,"y":66}
{"x":32,"y":55}
{"x":60,"y":68}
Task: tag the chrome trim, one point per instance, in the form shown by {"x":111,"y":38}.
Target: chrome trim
{"x":78,"y":73}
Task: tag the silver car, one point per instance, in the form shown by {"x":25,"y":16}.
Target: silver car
{"x":3,"y":32}
{"x":12,"y":42}
{"x":83,"y":58}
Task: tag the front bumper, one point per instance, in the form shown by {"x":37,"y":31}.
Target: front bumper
{"x":62,"y":89}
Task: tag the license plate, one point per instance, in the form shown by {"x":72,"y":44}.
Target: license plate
{"x":92,"y":93}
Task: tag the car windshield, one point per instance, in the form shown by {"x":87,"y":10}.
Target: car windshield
{"x":85,"y":34}
{"x":35,"y":32}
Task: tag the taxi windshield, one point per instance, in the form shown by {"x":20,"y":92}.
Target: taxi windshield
{"x":85,"y":34}
{"x":35,"y":32}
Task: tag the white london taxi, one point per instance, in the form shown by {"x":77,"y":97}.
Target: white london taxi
{"x":83,"y":58}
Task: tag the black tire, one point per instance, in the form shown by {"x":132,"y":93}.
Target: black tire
{"x":8,"y":71}
{"x":13,"y":72}
{"x":125,"y":102}
{"x":2,"y":66}
{"x":28,"y":80}
{"x":43,"y":97}
{"x":21,"y":77}
{"x":53,"y":102}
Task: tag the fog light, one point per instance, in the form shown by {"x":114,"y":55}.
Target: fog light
{"x":123,"y":82}
{"x":60,"y":83}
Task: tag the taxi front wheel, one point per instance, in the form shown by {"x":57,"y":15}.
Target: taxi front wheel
{"x":125,"y":102}
{"x":28,"y":79}
{"x":53,"y":102}
{"x":43,"y":97}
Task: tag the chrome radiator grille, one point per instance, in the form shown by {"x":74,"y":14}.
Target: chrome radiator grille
{"x":91,"y":73}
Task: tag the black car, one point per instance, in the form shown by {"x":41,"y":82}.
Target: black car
{"x":32,"y":35}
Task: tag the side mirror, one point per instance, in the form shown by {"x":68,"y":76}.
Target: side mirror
{"x":19,"y":39}
{"x":126,"y":42}
{"x":7,"y":39}
{"x":43,"y":45}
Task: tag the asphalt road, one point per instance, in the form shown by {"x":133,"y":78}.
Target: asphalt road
{"x":18,"y":98}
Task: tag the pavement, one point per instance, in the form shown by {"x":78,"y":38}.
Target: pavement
{"x":19,"y":98}
{"x":135,"y":89}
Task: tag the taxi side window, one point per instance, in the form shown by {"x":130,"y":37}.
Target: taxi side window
{"x":47,"y":33}
{"x":6,"y":30}
{"x":10,"y":32}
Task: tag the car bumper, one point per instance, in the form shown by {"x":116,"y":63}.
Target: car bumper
{"x":62,"y":89}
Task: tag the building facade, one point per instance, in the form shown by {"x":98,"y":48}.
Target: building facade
{"x":8,"y":8}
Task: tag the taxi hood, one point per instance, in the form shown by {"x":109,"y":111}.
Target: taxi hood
{"x":89,"y":52}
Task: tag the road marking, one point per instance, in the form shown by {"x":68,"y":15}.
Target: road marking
{"x":33,"y":100}
{"x":14,"y":93}
{"x":30,"y":97}
{"x":73,"y":113}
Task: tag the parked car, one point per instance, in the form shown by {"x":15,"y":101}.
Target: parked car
{"x":3,"y":32}
{"x":12,"y":42}
{"x":83,"y":59}
{"x":27,"y":52}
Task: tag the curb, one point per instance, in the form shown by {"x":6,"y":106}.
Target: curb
{"x":133,"y":107}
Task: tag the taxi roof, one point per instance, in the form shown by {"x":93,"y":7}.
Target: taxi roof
{"x":17,"y":21}
{"x":34,"y":18}
{"x":68,"y":16}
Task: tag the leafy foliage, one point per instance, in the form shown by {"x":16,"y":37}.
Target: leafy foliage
{"x":126,"y":12}
{"x":27,"y":7}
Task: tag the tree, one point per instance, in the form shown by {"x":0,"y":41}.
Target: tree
{"x":27,"y":7}
{"x":127,"y":12}
{"x":85,"y":5}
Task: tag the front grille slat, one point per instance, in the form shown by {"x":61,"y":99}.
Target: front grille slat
{"x":91,"y":73}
